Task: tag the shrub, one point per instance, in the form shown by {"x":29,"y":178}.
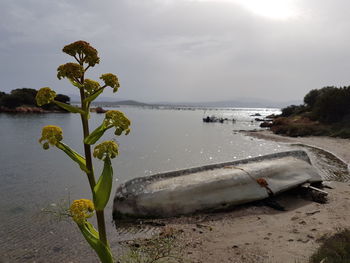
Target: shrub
{"x":342,"y":133}
{"x":335,"y":249}
{"x":311,"y":98}
{"x":10,"y":101}
{"x":332,"y":104}
{"x":293,"y":110}
{"x":25,"y":96}
{"x":63,"y":98}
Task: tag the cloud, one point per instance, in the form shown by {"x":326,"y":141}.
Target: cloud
{"x":180,"y":50}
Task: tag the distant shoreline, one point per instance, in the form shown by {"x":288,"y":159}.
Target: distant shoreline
{"x":28,"y":109}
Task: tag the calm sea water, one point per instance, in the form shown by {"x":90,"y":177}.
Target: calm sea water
{"x":161,"y":140}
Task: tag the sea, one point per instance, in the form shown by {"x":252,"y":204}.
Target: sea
{"x":37,"y":185}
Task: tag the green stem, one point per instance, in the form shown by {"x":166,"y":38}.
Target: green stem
{"x":101,"y":226}
{"x":87,"y":150}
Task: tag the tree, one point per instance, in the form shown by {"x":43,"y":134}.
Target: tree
{"x":10,"y":101}
{"x":311,"y":98}
{"x":332,"y":104}
{"x":63,"y":98}
{"x":26,"y":96}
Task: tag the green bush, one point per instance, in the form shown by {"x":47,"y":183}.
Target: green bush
{"x":10,"y":101}
{"x":311,"y":98}
{"x":26,"y":97}
{"x":332,"y":104}
{"x":293,"y":110}
{"x":334,"y":249}
{"x":342,"y":133}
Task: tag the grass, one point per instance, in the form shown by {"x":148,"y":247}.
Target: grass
{"x":301,"y":126}
{"x":162,"y":248}
{"x":334,"y":249}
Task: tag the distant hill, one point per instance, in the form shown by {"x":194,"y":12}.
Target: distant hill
{"x":119,"y":103}
{"x":241,"y":103}
{"x":238,"y":103}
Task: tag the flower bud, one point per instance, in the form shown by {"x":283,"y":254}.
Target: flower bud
{"x":70,"y":70}
{"x":111,"y":80}
{"x":90,"y":86}
{"x":90,"y":55}
{"x":45,"y":96}
{"x":51,"y":135}
{"x":81,"y":210}
{"x":118,"y":120}
{"x":104,"y":149}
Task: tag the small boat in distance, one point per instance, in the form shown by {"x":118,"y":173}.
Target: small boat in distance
{"x":214,"y":186}
{"x":216,"y":119}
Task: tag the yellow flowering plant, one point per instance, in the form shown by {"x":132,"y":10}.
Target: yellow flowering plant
{"x":81,"y":210}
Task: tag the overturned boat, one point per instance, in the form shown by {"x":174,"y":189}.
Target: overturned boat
{"x":213,"y":187}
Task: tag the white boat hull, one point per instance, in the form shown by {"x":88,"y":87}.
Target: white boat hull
{"x":213,"y":187}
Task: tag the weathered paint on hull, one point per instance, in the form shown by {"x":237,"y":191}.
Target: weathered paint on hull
{"x":214,"y":186}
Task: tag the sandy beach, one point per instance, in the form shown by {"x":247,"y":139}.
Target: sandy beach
{"x":257,"y":233}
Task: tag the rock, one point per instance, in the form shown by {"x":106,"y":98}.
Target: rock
{"x":23,"y":109}
{"x":98,"y":110}
{"x":266,"y":124}
{"x":255,"y":115}
{"x":272,"y":116}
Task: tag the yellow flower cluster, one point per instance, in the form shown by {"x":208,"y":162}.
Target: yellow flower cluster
{"x":81,"y":210}
{"x":111,"y":80}
{"x":90,"y":86}
{"x":107,"y":148}
{"x":70,"y":70}
{"x":51,"y":135}
{"x":45,"y":96}
{"x":119,"y":121}
{"x":83,"y":48}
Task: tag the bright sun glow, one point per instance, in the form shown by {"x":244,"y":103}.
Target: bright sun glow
{"x":275,"y":9}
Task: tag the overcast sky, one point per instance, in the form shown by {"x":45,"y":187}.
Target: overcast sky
{"x":182,"y":50}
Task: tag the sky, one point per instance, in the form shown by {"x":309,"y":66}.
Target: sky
{"x":181,"y":50}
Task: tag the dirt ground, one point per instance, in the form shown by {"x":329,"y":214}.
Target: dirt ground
{"x":258,"y":233}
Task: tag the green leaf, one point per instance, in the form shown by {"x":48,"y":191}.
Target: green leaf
{"x":76,"y":157}
{"x":102,"y":189}
{"x":92,"y":237}
{"x":93,"y":96}
{"x":96,"y":134}
{"x":69,"y":108}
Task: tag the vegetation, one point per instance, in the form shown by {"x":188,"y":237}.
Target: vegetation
{"x":161,"y":248}
{"x":81,"y":210}
{"x":334,"y":249}
{"x":325,"y":111}
{"x":26,"y":97}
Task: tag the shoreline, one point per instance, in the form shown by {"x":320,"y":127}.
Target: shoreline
{"x":28,"y":110}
